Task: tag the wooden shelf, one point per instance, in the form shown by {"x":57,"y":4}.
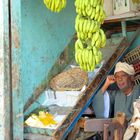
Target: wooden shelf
{"x":123,"y":17}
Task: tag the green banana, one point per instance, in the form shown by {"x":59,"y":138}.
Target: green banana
{"x":97,"y":59}
{"x":55,"y":5}
{"x":90,"y":57}
{"x":100,"y":55}
{"x":93,"y":62}
{"x":103,"y":38}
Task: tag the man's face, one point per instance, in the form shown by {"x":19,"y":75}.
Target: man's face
{"x":123,"y":80}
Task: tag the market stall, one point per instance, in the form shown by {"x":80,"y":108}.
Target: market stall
{"x":37,"y":44}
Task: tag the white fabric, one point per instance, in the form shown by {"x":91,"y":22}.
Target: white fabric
{"x":123,"y":66}
{"x":106,"y":104}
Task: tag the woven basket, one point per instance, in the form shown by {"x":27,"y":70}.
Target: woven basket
{"x":72,"y":79}
{"x":133,"y":57}
{"x":137,"y":79}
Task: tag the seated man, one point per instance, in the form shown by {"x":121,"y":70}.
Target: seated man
{"x":108,"y":102}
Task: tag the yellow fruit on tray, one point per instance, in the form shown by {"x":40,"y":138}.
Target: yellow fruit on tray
{"x":46,"y":118}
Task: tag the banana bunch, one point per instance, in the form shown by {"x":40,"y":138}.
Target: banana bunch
{"x":55,"y":5}
{"x":90,"y":37}
{"x":87,"y":56}
{"x":85,"y":27}
{"x":98,"y":39}
{"x":92,"y":9}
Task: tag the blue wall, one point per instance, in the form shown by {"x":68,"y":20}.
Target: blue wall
{"x":44,"y":37}
{"x":135,"y":44}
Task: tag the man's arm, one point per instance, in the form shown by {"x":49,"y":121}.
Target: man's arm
{"x":110,"y":80}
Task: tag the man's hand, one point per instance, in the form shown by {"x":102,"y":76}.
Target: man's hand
{"x":110,"y":80}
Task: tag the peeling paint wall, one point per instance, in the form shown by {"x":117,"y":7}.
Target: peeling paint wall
{"x":5,"y":130}
{"x":1,"y":73}
{"x":44,"y":36}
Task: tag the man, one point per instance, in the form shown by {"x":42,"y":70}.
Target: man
{"x":108,"y":102}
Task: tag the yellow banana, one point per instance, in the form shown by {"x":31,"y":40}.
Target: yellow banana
{"x":95,"y":3}
{"x":97,"y":59}
{"x":91,"y":26}
{"x":89,"y":47}
{"x":95,"y":50}
{"x":98,"y":42}
{"x":80,"y":59}
{"x":57,"y":5}
{"x":102,"y":2}
{"x":83,"y":57}
{"x":89,"y":35}
{"x":80,"y":44}
{"x":93,"y":62}
{"x":88,"y":67}
{"x":76,"y":3}
{"x":99,"y":2}
{"x":84,"y":12}
{"x":85,"y":25}
{"x":97,"y":8}
{"x":92,"y":2}
{"x":81,"y":25}
{"x":86,"y":2}
{"x":93,"y":13}
{"x":89,"y":12}
{"x":96,"y":35}
{"x":93,"y":41}
{"x":97,"y":27}
{"x":96,"y":16}
{"x":100,"y":55}
{"x":88,"y":26}
{"x":86,"y":55}
{"x":103,"y":38}
{"x":76,"y":57}
{"x":90,"y":57}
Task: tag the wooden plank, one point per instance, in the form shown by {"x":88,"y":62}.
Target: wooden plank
{"x":30,"y":136}
{"x":94,"y":124}
{"x":75,"y":131}
{"x":82,"y":104}
{"x":123,"y":17}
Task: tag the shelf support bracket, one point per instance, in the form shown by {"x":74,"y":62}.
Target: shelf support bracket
{"x":124,"y":32}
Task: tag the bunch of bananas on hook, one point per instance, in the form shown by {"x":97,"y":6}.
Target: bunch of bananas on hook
{"x":91,"y":38}
{"x":55,"y":5}
{"x":87,"y":56}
